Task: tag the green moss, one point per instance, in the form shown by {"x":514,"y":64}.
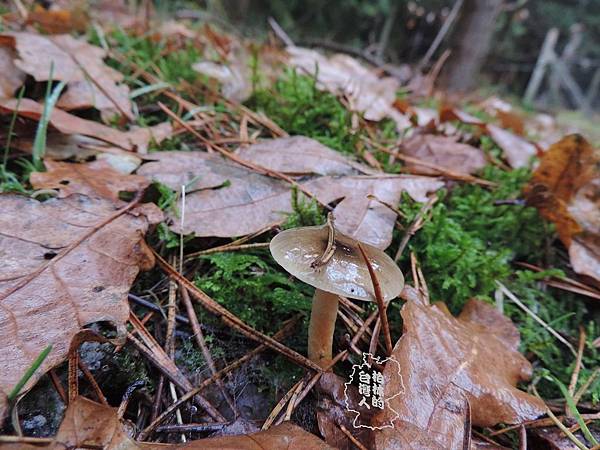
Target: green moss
{"x":254,"y":288}
{"x":297,"y":106}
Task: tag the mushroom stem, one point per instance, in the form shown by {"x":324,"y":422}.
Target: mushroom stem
{"x":321,"y":327}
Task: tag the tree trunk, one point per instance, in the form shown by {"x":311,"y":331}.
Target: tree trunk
{"x":470,"y":43}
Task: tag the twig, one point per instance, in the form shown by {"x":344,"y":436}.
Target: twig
{"x":86,"y":372}
{"x":249,"y":165}
{"x":281,"y":403}
{"x":582,"y":390}
{"x":280,"y":32}
{"x":237,"y":242}
{"x":576,"y":369}
{"x":191,"y":427}
{"x":551,"y":330}
{"x":442,"y":33}
{"x":232,"y":248}
{"x":385,"y":326}
{"x":232,"y":320}
{"x":414,"y":226}
{"x":188,"y":395}
{"x":146,"y":304}
{"x":199,"y":336}
{"x":352,"y":438}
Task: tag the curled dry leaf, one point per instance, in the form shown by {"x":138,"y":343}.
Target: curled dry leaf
{"x":90,"y":82}
{"x":518,"y":150}
{"x":65,"y":263}
{"x":94,"y":179}
{"x":90,"y":425}
{"x":220,"y":192}
{"x":447,"y":361}
{"x":566,"y":190}
{"x":97,"y":135}
{"x":234,"y":77}
{"x":445,"y":152}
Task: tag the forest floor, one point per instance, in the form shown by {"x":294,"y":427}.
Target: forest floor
{"x":146,"y":169}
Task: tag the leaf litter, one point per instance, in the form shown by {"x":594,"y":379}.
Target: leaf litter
{"x":71,"y":261}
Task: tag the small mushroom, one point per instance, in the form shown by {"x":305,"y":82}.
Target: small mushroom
{"x":334,"y":265}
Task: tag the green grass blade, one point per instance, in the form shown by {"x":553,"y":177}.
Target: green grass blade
{"x":571,"y":404}
{"x":39,"y":144}
{"x":32,"y":369}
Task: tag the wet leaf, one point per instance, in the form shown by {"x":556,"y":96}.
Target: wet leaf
{"x":134,"y":140}
{"x":221,"y":192}
{"x":566,"y":190}
{"x":517,"y":150}
{"x":91,"y":83}
{"x":444,"y":152}
{"x":65,"y":263}
{"x":447,"y":361}
{"x":94,"y":179}
{"x":90,"y":425}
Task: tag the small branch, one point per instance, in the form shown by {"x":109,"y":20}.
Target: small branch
{"x":385,"y":326}
{"x":415,"y":225}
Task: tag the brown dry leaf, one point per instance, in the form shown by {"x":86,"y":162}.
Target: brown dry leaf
{"x":517,"y":150}
{"x":92,"y":425}
{"x":234,"y":77}
{"x":94,"y":179}
{"x":134,"y":140}
{"x":91,"y":83}
{"x":446,"y":361}
{"x":566,"y":190}
{"x":282,"y":155}
{"x":343,"y":75}
{"x":445,"y":152}
{"x":221,"y":192}
{"x":65,"y":263}
{"x":56,"y":20}
{"x":12,"y":77}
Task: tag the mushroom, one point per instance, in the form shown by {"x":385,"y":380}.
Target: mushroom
{"x":333,"y":264}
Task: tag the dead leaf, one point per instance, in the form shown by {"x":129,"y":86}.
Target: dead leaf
{"x":94,"y":179}
{"x":552,"y":438}
{"x":12,"y":77}
{"x":221,"y":192}
{"x":91,"y":83}
{"x":134,"y":140}
{"x":65,"y":263}
{"x":234,"y":77}
{"x":56,"y":21}
{"x":445,"y":361}
{"x":343,"y":75}
{"x":445,"y":152}
{"x":517,"y":150}
{"x":91,"y":425}
{"x":282,"y":155}
{"x":566,"y":190}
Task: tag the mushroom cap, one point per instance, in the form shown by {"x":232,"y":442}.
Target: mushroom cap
{"x":346,"y":273}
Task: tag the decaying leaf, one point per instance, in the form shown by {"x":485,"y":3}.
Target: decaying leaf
{"x":566,"y":190}
{"x":65,"y":263}
{"x":234,"y":77}
{"x":91,"y":83}
{"x":94,"y":179}
{"x":316,"y":158}
{"x":220,"y":193}
{"x":12,"y":77}
{"x":134,"y":140}
{"x":445,"y":152}
{"x":447,"y":361}
{"x":90,"y":425}
{"x":517,"y":150}
{"x":343,"y":75}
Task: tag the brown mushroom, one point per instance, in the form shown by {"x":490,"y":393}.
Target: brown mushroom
{"x":334,"y":265}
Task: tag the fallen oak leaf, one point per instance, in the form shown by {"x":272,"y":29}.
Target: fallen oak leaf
{"x":517,"y":150}
{"x":91,"y":425}
{"x":443,"y":151}
{"x":445,"y":360}
{"x":66,"y":263}
{"x":12,"y":77}
{"x":90,"y":82}
{"x":136,"y":139}
{"x":565,"y":188}
{"x":220,"y":192}
{"x":94,"y":179}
